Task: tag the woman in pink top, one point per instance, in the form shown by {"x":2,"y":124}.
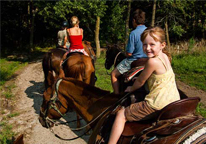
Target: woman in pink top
{"x":75,"y":36}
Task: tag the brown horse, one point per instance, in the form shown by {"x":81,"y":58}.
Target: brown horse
{"x":173,"y":124}
{"x":52,"y":59}
{"x":76,"y":65}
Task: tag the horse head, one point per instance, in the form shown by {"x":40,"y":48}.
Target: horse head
{"x":51,"y":62}
{"x":88,"y":101}
{"x":47,"y":110}
{"x":114,"y":55}
{"x":88,"y":48}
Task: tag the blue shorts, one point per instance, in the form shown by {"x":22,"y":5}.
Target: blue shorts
{"x":124,"y":66}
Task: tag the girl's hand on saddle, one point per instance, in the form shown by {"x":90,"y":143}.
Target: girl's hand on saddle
{"x":128,"y":89}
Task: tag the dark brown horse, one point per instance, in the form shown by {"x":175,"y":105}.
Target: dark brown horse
{"x":173,"y":124}
{"x":52,"y":59}
{"x":114,"y":55}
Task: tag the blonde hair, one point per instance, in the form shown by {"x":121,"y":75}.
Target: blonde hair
{"x":158,"y":34}
{"x":74,"y":21}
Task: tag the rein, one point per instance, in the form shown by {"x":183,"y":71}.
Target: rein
{"x":91,"y":55}
{"x":116,"y":58}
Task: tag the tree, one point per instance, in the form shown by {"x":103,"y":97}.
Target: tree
{"x":127,"y":22}
{"x":153,"y":13}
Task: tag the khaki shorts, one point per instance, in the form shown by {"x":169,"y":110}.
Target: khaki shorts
{"x":139,"y":111}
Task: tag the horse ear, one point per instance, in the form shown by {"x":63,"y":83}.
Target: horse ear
{"x":61,"y":73}
{"x":50,"y":78}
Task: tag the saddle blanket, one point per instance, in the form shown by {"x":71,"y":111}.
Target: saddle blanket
{"x":132,"y":72}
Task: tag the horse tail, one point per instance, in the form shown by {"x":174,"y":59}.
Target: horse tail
{"x":46,"y":65}
{"x":77,"y":70}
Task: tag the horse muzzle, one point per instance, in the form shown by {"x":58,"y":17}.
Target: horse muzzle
{"x":44,"y":120}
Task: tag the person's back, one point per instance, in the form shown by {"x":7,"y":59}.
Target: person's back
{"x":134,"y":49}
{"x":62,"y":39}
{"x":75,"y":36}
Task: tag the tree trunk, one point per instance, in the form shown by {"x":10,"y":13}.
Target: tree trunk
{"x":127,"y":22}
{"x":97,"y":37}
{"x":167,"y":35}
{"x":31,"y":27}
{"x":153,"y":13}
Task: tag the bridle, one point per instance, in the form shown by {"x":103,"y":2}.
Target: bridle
{"x":52,"y":105}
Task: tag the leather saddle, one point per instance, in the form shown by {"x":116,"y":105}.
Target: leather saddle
{"x":174,"y":118}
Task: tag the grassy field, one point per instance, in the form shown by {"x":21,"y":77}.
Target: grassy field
{"x":191,"y":69}
{"x":7,"y":69}
{"x":103,"y":77}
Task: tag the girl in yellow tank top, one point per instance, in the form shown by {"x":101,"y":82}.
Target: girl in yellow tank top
{"x":161,"y":81}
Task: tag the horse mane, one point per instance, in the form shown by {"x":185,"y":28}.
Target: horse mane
{"x":88,"y":100}
{"x":90,"y":90}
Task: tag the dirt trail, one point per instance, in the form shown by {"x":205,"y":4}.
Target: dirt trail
{"x":29,"y":90}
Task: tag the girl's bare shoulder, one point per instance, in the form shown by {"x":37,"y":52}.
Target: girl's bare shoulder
{"x":152,"y":61}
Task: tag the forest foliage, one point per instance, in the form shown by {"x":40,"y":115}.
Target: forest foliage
{"x":37,"y":22}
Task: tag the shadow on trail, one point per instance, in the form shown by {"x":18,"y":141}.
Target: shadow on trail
{"x":35,"y":92}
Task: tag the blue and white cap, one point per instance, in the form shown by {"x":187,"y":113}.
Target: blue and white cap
{"x":65,"y":24}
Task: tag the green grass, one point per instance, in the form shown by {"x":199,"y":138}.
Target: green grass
{"x":7,"y":69}
{"x":12,"y":115}
{"x":201,"y":109}
{"x":103,"y":78}
{"x":191,"y":69}
{"x":6,"y":133}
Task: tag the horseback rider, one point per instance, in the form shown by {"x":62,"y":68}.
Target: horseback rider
{"x":75,"y":35}
{"x":161,"y":81}
{"x":134,"y":49}
{"x":62,"y":38}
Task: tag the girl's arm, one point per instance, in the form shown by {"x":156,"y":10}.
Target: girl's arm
{"x":139,"y":82}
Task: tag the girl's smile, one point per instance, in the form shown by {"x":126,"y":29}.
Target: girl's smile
{"x":151,"y":47}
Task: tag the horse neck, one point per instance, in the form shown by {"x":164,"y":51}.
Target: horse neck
{"x":87,"y":100}
{"x":119,"y":56}
{"x":88,"y":49}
